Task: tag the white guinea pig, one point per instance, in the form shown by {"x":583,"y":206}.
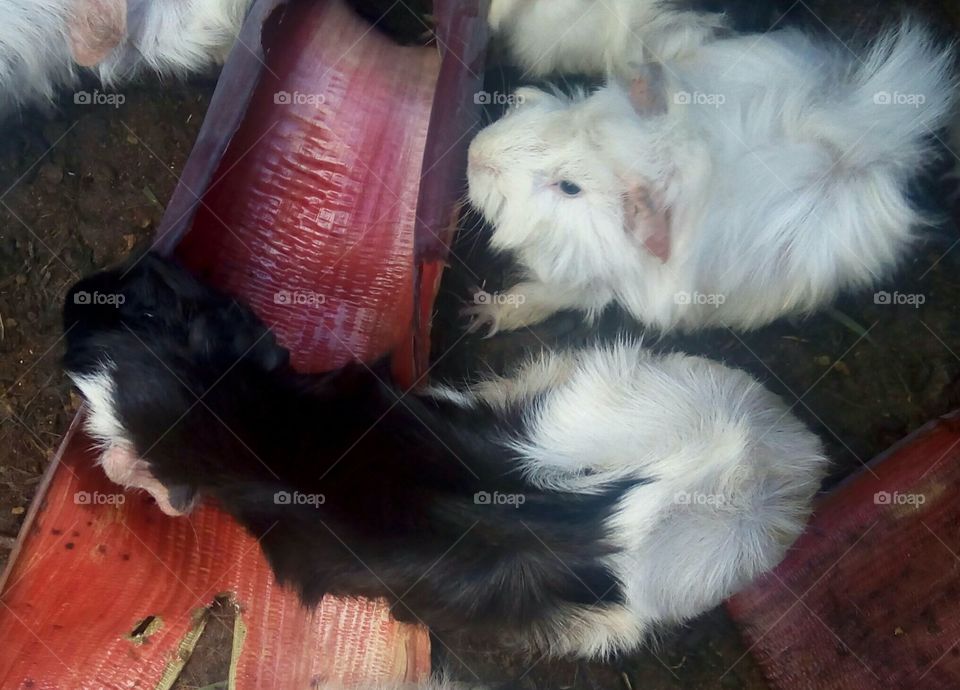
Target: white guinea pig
{"x":44,"y":42}
{"x":755,"y":178}
{"x":597,"y":36}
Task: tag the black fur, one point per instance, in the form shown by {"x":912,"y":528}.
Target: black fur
{"x":399,"y":473}
{"x":409,"y":22}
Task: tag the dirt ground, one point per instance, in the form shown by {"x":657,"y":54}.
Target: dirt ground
{"x":82,"y":186}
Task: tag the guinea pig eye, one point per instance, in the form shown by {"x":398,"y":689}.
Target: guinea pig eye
{"x":569,"y":188}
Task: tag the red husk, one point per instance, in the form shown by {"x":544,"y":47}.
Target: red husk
{"x":868,"y":597}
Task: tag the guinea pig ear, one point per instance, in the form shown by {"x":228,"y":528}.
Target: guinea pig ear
{"x":648,"y":90}
{"x":95,"y":28}
{"x":647,"y":220}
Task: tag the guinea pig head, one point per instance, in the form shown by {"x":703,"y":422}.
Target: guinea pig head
{"x":576,"y":184}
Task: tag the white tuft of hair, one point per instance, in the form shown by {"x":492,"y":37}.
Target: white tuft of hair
{"x":732,"y":474}
{"x":598,"y":36}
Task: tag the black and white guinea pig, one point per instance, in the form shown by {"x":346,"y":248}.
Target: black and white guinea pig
{"x":574,"y":507}
{"x":44,"y":42}
{"x":598,"y":36}
{"x":757,"y":177}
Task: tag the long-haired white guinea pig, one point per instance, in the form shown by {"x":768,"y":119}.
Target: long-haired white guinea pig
{"x":43,"y":43}
{"x":756,"y":178}
{"x":598,"y":36}
{"x":575,"y":507}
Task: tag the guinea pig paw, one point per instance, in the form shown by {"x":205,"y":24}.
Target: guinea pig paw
{"x":481,"y":315}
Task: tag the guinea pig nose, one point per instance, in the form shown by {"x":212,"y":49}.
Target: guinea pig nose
{"x":480,"y":162}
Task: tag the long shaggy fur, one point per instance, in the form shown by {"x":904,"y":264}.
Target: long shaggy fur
{"x":574,"y":507}
{"x":170,"y":37}
{"x":783,"y":165}
{"x":598,"y":36}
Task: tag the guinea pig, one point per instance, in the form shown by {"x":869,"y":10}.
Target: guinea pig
{"x":755,"y":178}
{"x":598,"y":36}
{"x":575,"y":507}
{"x":43,"y":43}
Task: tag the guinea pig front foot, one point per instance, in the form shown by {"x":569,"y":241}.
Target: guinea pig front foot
{"x":480,"y":315}
{"x":525,"y":304}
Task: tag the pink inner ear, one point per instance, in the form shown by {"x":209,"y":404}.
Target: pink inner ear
{"x":95,"y":28}
{"x":658,"y":241}
{"x":648,"y":221}
{"x":647,"y":91}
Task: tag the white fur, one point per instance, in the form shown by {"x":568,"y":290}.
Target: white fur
{"x":170,"y":37}
{"x":790,"y":189}
{"x":34,"y":55}
{"x":118,"y":458}
{"x":597,"y":36}
{"x":733,"y":474}
{"x":176,"y":37}
{"x":102,"y":422}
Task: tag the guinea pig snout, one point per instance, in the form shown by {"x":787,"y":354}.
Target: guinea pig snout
{"x":481,"y":162}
